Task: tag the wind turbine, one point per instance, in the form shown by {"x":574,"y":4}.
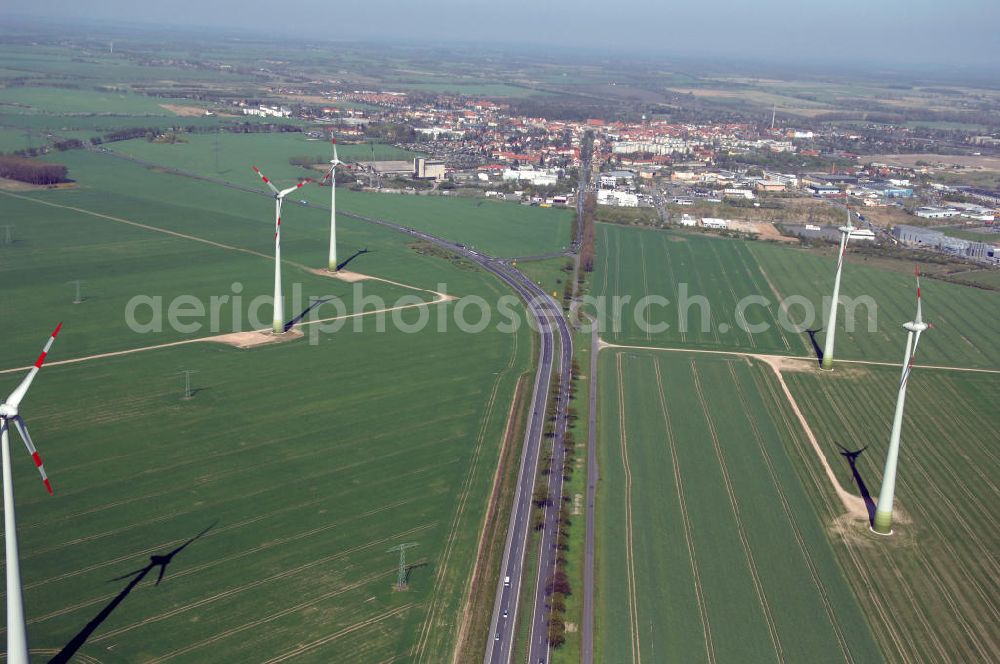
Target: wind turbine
{"x":17,"y":636}
{"x":278,"y":324}
{"x":883,"y":512}
{"x":333,"y":205}
{"x":831,"y":323}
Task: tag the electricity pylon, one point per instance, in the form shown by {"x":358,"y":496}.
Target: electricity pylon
{"x":401,"y":577}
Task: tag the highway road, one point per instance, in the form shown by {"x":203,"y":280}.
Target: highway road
{"x":505,"y":606}
{"x":503,"y":626}
{"x":538,"y":644}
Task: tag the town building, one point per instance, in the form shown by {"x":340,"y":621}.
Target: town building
{"x":617,"y":198}
{"x":932,"y":212}
{"x":738,"y":193}
{"x":427,"y":169}
{"x":537,"y":177}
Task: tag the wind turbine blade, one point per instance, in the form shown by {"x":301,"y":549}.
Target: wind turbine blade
{"x":919,"y":318}
{"x":22,"y":429}
{"x":301,"y":184}
{"x":266,"y":181}
{"x":913,"y":358}
{"x":14,"y":400}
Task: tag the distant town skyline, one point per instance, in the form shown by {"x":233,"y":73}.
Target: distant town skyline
{"x":890,"y":32}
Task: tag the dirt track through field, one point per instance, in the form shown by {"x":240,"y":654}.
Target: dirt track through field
{"x":685,"y":518}
{"x":453,"y":528}
{"x":854,"y":505}
{"x":298,"y":650}
{"x":221,"y":338}
{"x":155,"y":229}
{"x":633,"y":592}
{"x":273,"y":616}
{"x":465,"y":615}
{"x":217,"y":338}
{"x":793,"y":525}
{"x":969,"y":630}
{"x":735,"y":506}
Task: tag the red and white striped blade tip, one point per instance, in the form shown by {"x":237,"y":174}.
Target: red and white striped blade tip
{"x":22,"y":429}
{"x":45,"y":350}
{"x":41,"y":469}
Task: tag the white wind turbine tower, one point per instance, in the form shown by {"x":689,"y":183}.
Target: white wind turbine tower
{"x":831,"y":323}
{"x":278,"y":324}
{"x":333,"y":205}
{"x":883,"y":511}
{"x":17,"y":637}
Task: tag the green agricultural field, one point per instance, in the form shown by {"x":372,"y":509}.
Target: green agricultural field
{"x":708,"y":548}
{"x":17,"y":139}
{"x":62,"y":100}
{"x":469,"y":89}
{"x":90,"y":69}
{"x":965,"y":319}
{"x":90,"y":126}
{"x":931,"y":590}
{"x":116,"y":262}
{"x":634,"y":262}
{"x":499,"y":228}
{"x":237,"y":152}
{"x":551,"y":274}
{"x":308,"y":460}
{"x":982,"y":278}
{"x":969,"y":234}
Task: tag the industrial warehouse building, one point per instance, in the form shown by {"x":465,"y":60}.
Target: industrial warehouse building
{"x":931,"y":239}
{"x":931,"y":212}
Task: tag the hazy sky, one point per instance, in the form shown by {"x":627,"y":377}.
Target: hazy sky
{"x":890,"y":31}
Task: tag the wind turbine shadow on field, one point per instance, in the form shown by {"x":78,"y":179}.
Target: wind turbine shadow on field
{"x":138,"y":575}
{"x":852,"y":458}
{"x":816,"y":347}
{"x":350,"y":258}
{"x":305,"y":312}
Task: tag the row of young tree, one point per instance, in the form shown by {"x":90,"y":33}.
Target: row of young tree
{"x":30,"y":171}
{"x":558,"y":586}
{"x":588,"y":249}
{"x":164,"y":134}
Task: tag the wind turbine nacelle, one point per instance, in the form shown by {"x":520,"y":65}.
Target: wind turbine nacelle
{"x":847,"y":229}
{"x":916,"y":327}
{"x":7,"y":411}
